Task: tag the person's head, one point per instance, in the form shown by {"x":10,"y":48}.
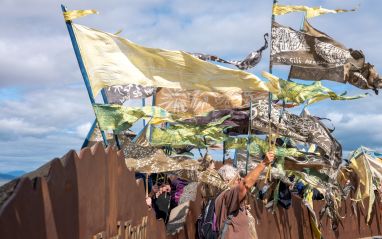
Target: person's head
{"x":165,"y":188}
{"x":229,"y":174}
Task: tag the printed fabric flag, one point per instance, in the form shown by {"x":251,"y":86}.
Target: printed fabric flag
{"x":258,"y":147}
{"x":310,"y":11}
{"x":160,"y":163}
{"x":300,"y":93}
{"x":291,"y":47}
{"x":305,"y":128}
{"x":196,"y":102}
{"x":111,"y":60}
{"x":360,"y":164}
{"x":118,"y":118}
{"x":181,"y":135}
{"x":120,"y":93}
{"x":249,"y":62}
{"x":314,"y":55}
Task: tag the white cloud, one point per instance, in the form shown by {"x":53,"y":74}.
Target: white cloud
{"x":335,"y":117}
{"x":38,"y":60}
{"x":83,"y":129}
{"x":14,"y":126}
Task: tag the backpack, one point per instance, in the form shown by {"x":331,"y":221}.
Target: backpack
{"x":206,"y":222}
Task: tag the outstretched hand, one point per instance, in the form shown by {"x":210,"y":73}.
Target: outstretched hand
{"x":269,"y":157}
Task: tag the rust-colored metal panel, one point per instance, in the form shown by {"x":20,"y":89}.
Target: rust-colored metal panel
{"x":91,"y":181}
{"x":22,"y":216}
{"x":63,"y":195}
{"x":283,"y":223}
{"x":94,"y":195}
{"x":353,"y":226}
{"x":295,"y":223}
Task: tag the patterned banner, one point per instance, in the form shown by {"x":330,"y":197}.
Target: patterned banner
{"x":310,"y":11}
{"x":303,"y":128}
{"x":120,"y":93}
{"x":291,"y":47}
{"x":111,"y":60}
{"x":119,"y":118}
{"x":300,"y":93}
{"x":151,"y":160}
{"x":315,"y":56}
{"x":259,"y":147}
{"x":195,"y":102}
{"x":249,"y":62}
{"x":181,"y":135}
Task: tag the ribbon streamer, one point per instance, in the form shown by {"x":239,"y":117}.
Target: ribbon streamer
{"x":74,"y":14}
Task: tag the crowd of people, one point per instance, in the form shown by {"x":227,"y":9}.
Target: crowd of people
{"x":224,"y":213}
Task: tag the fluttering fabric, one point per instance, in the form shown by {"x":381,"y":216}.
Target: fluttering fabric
{"x":70,"y":15}
{"x":196,"y":102}
{"x":302,"y":48}
{"x":360,"y":164}
{"x":118,"y":118}
{"x":120,"y":93}
{"x":160,"y":163}
{"x":147,"y":159}
{"x":300,"y":93}
{"x":249,"y":62}
{"x":258,"y":147}
{"x":305,"y":128}
{"x":310,"y":11}
{"x":316,"y":56}
{"x":111,"y":60}
{"x":181,"y":135}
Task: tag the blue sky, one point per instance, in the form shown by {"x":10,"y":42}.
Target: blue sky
{"x":45,"y":110}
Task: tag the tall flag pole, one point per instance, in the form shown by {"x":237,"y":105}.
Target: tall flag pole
{"x":271,"y":71}
{"x":249,"y":135}
{"x":270,"y":94}
{"x":87,"y":139}
{"x":82,"y":67}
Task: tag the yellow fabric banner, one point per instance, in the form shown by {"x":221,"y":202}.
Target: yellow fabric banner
{"x":310,"y":11}
{"x":112,"y":60}
{"x":70,"y":15}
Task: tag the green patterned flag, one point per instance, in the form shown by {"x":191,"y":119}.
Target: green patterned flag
{"x":119,"y":118}
{"x":188,"y":134}
{"x":300,"y":93}
{"x":259,"y":147}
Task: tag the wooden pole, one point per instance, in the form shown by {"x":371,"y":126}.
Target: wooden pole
{"x":249,"y":136}
{"x":91,"y":130}
{"x":270,"y":145}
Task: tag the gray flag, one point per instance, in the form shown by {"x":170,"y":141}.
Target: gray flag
{"x":314,"y":55}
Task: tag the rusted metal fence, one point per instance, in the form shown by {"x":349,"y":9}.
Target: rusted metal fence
{"x":93,"y":195}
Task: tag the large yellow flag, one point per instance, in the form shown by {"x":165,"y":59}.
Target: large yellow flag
{"x":310,"y":11}
{"x":112,"y":60}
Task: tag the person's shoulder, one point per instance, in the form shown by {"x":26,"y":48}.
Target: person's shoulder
{"x":227,"y":192}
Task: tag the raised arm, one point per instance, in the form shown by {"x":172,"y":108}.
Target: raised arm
{"x":253,"y":175}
